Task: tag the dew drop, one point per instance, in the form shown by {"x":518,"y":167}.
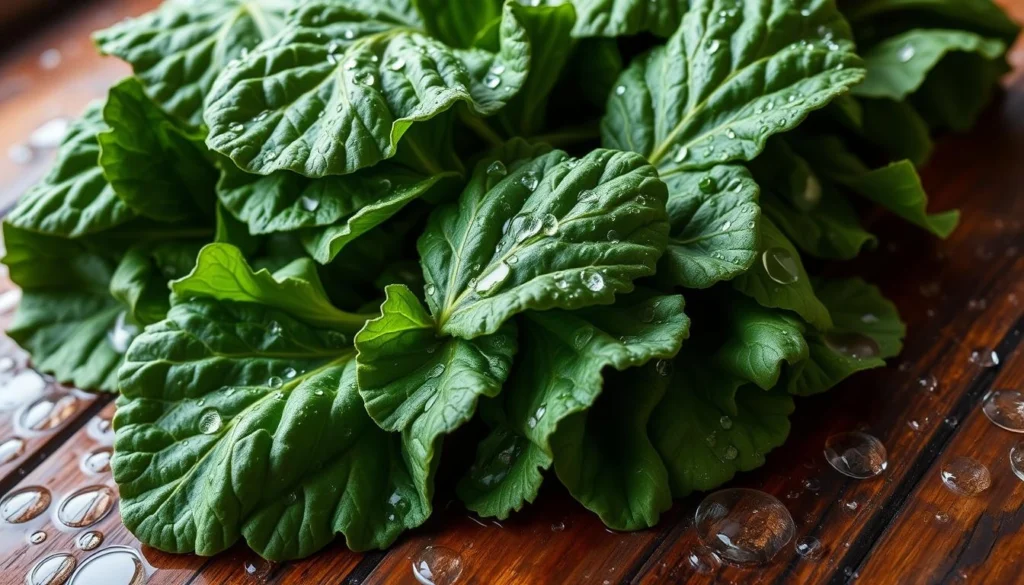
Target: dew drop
{"x":367,"y":79}
{"x":780,"y":265}
{"x":726,"y":422}
{"x":290,"y":373}
{"x":743,"y":526}
{"x":209,"y":421}
{"x":275,"y":382}
{"x":592,"y":280}
{"x":906,"y":53}
{"x":681,"y":154}
{"x":852,"y":345}
{"x":274,"y":328}
{"x":492,"y":281}
{"x":48,"y":412}
{"x":730,"y":133}
{"x":809,"y":548}
{"x":856,"y":454}
{"x":1005,"y":408}
{"x":396,"y":64}
{"x":430,"y":289}
{"x":702,"y":560}
{"x":549,"y":224}
{"x":435,"y":371}
{"x":115,"y":565}
{"x":497,"y":169}
{"x":53,"y":570}
{"x":706,"y":184}
{"x":558,"y":526}
{"x":586,"y":196}
{"x":713,"y":46}
{"x":89,"y":540}
{"x":1017,"y":460}
{"x":984,"y":358}
{"x":11,"y":449}
{"x":613,"y":236}
{"x":437,"y":565}
{"x":350,"y":34}
{"x":97,"y":461}
{"x":121,"y":333}
{"x":236,"y":127}
{"x":491,"y":80}
{"x":86,"y":506}
{"x":583,"y":337}
{"x":620,"y":90}
{"x":730,"y":453}
{"x":663,"y":367}
{"x":928,"y":383}
{"x":941,"y":517}
{"x":25,"y":504}
{"x":965,"y":476}
{"x":530,"y":180}
{"x":24,"y":387}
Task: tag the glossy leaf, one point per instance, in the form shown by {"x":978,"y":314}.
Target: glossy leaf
{"x":759,"y":342}
{"x":457,"y":22}
{"x":348,"y":87}
{"x":548,"y":232}
{"x":178,"y":49}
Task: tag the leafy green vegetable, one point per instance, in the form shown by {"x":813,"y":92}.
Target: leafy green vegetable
{"x":309,"y":241}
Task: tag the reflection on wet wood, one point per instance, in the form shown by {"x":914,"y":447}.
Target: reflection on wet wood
{"x":959,"y":297}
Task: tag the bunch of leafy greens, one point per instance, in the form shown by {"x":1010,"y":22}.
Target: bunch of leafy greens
{"x":307,"y":242}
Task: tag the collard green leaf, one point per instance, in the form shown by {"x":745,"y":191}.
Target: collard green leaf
{"x":898,"y":66}
{"x":348,"y":87}
{"x":714,"y":220}
{"x":954,"y":94}
{"x":73,"y":199}
{"x":808,"y":209}
{"x":140,"y":281}
{"x":240,"y":418}
{"x":541,"y":231}
{"x":778,"y":279}
{"x":558,"y":377}
{"x":616,"y":18}
{"x":425,"y":386}
{"x":727,"y":80}
{"x":878,"y":18}
{"x":710,"y":425}
{"x":457,"y":22}
{"x":329,"y":212}
{"x":759,"y":342}
{"x":898,"y":129}
{"x":157,"y":168}
{"x":223,"y":273}
{"x":178,"y":49}
{"x":865,"y":322}
{"x":897,"y":186}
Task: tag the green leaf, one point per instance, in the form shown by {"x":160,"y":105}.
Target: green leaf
{"x":66,"y":314}
{"x":348,"y":87}
{"x":898,"y":66}
{"x":758,"y":342}
{"x":714,"y":218}
{"x":140,"y":281}
{"x":897,"y":129}
{"x":424,"y":386}
{"x":541,"y":231}
{"x":616,"y":18}
{"x":863,"y":319}
{"x":222,"y":272}
{"x":178,"y":49}
{"x":957,"y":90}
{"x":557,"y":378}
{"x":73,"y":199}
{"x":710,"y":426}
{"x":778,"y":279}
{"x":157,"y":168}
{"x":882,"y":16}
{"x":729,"y":79}
{"x":897,"y":186}
{"x":241,"y":421}
{"x":457,"y":22}
{"x":810,"y":211}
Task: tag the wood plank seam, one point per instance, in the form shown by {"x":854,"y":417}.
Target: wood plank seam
{"x":889,"y":511}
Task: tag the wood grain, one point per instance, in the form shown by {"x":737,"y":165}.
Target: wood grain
{"x":959,"y":296}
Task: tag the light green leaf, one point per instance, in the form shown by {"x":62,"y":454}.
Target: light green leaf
{"x":157,"y":168}
{"x":709,"y":425}
{"x":558,"y":377}
{"x":222,"y":272}
{"x":73,"y":199}
{"x":239,"y":420}
{"x":178,"y":49}
{"x":457,"y":22}
{"x":865,"y":322}
{"x":727,"y":80}
{"x":541,"y":231}
{"x":423,"y":385}
{"x":616,"y":18}
{"x":898,"y":66}
{"x":348,"y":87}
{"x":714,"y":220}
{"x":778,"y":279}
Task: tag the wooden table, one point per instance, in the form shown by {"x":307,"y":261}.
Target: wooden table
{"x":960,"y":296}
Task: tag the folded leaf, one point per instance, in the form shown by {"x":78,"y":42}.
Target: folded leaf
{"x":557,"y":378}
{"x":898,"y":129}
{"x":866,"y":330}
{"x":709,"y":425}
{"x":457,"y":22}
{"x":178,"y":49}
{"x":729,"y":79}
{"x":74,"y":198}
{"x":140,"y":281}
{"x":348,"y":86}
{"x":425,"y":386}
{"x":759,"y":342}
{"x":615,"y":18}
{"x":541,"y":231}
{"x":778,"y":279}
{"x":714,"y":220}
{"x":897,"y":66}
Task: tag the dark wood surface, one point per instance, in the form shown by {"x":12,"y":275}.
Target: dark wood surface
{"x":958,"y":296}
